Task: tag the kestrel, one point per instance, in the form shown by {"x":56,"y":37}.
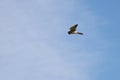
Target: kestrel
{"x":73,"y":30}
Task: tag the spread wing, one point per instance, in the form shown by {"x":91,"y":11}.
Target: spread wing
{"x":73,"y":28}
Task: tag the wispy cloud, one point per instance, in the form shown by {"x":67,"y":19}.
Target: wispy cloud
{"x":35,"y":44}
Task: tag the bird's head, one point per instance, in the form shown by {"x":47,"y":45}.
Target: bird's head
{"x":69,"y":32}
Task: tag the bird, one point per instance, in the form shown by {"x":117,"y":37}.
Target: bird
{"x":73,"y":30}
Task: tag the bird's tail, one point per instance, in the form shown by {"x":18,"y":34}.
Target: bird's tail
{"x":80,"y":33}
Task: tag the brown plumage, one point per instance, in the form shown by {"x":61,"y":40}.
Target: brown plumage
{"x":73,"y":30}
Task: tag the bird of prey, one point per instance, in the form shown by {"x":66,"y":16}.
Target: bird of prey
{"x":73,"y":30}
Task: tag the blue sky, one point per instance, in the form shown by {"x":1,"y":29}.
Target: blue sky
{"x":34,"y":43}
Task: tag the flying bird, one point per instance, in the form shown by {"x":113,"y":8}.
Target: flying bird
{"x":73,"y":30}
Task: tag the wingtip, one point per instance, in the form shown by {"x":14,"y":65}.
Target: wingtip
{"x":76,"y":24}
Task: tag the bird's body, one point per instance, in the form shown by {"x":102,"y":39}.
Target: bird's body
{"x":73,"y":30}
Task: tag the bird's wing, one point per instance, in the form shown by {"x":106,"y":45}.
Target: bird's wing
{"x":73,"y":28}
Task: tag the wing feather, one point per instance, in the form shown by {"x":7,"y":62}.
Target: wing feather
{"x":73,"y":28}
